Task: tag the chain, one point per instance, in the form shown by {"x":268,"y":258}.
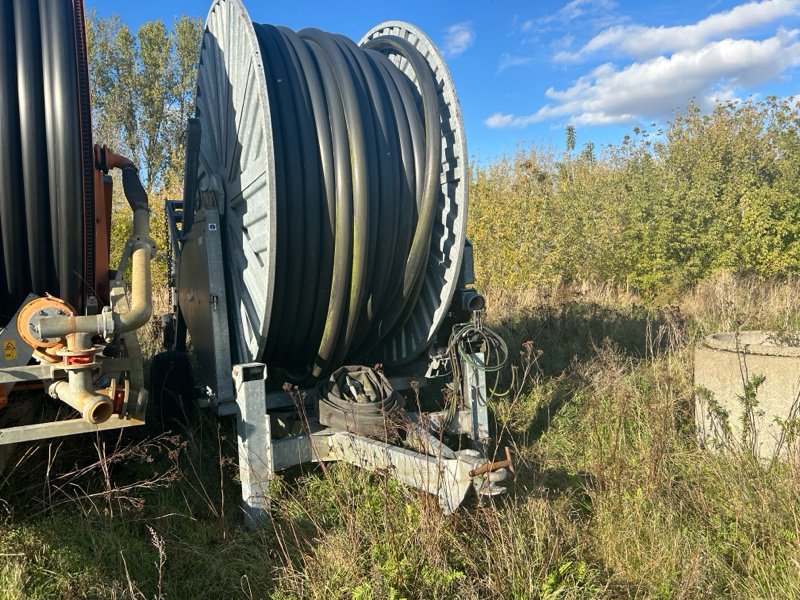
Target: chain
{"x":478,"y":317}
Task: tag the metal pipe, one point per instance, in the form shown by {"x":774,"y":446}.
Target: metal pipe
{"x":77,"y":392}
{"x":139,"y":314}
{"x":141,"y":307}
{"x":141,"y":292}
{"x":115,"y":161}
{"x":471,"y":300}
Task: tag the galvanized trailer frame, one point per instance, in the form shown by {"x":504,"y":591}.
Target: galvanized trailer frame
{"x":268,"y":445}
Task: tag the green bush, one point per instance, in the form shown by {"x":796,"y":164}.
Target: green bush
{"x":657,"y":213}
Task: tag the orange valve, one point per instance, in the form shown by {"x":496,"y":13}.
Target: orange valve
{"x":27,"y":325}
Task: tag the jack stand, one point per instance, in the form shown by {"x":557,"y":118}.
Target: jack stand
{"x":255,"y":439}
{"x":474,"y":394}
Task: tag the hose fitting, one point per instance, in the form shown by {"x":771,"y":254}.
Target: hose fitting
{"x":94,"y":408}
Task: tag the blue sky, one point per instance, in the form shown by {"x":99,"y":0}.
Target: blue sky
{"x":526,"y":70}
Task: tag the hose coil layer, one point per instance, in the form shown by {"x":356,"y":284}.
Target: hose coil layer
{"x":360,"y":400}
{"x":342,"y":171}
{"x":46,"y":196}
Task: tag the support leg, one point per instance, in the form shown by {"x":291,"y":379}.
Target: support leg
{"x":474,"y":384}
{"x":255,"y":441}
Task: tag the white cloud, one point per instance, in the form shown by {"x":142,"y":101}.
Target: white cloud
{"x":644,"y":42}
{"x":579,"y":8}
{"x":502,"y":121}
{"x":656,"y":87}
{"x":458,"y":38}
{"x":596,"y":13}
{"x":509,"y":61}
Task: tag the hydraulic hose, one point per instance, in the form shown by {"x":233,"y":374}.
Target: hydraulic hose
{"x":358,"y":168}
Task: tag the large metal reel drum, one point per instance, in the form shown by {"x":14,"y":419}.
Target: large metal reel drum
{"x":236,"y":153}
{"x":237,"y":156}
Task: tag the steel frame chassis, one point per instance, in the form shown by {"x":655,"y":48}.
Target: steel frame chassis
{"x":430,"y":466}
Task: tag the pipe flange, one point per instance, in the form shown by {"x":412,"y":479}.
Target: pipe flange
{"x":75,"y":360}
{"x":135,"y":240}
{"x":39,"y":308}
{"x":80,"y":352}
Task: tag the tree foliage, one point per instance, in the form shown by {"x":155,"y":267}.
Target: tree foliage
{"x":143,"y":91}
{"x":143,"y":88}
{"x":658,"y":212}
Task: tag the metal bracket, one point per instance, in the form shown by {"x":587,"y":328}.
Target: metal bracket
{"x":474,"y":394}
{"x":132,"y":242}
{"x":201,"y":297}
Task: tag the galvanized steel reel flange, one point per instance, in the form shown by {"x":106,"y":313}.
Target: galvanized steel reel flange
{"x":237,"y":146}
{"x":450,"y":229}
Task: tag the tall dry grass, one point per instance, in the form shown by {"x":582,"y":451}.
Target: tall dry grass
{"x":612,"y":496}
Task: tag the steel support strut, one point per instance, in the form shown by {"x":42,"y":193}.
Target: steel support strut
{"x":474,"y":394}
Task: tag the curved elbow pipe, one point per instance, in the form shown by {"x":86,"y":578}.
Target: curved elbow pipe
{"x":114,"y":160}
{"x":139,"y":313}
{"x":141,"y":308}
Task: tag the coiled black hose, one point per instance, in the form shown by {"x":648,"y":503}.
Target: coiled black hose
{"x":45,"y":152}
{"x":360,"y":400}
{"x":358,"y":166}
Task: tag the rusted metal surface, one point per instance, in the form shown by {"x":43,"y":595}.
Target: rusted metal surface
{"x":491,"y":467}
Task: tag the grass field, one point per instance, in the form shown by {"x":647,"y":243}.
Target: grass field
{"x":612,"y":497}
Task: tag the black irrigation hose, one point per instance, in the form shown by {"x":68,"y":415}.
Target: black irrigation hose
{"x":357,"y":166}
{"x":45,"y":187}
{"x":360,"y":400}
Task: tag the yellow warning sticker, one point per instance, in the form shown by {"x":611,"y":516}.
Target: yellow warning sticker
{"x":10,"y":350}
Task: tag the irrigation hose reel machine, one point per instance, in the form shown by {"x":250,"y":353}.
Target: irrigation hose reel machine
{"x":323,"y":225}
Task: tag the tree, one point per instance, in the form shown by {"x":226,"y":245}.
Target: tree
{"x":143,"y":90}
{"x":569,"y":132}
